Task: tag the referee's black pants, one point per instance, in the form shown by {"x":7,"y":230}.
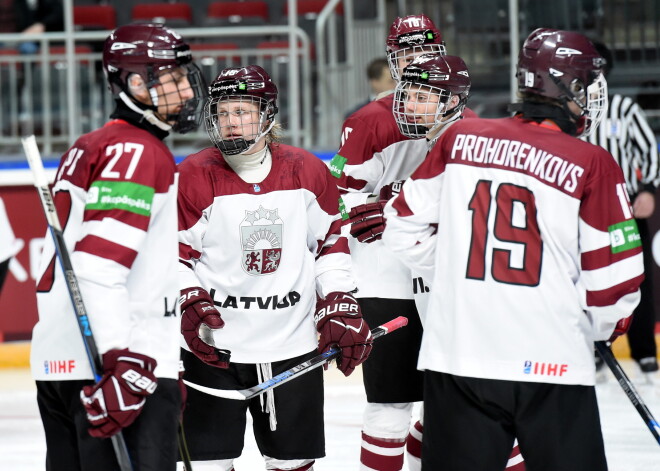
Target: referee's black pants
{"x":641,"y":335}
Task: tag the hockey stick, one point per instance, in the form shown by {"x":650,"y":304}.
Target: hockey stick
{"x":48,"y":205}
{"x":608,"y":357}
{"x":301,"y":369}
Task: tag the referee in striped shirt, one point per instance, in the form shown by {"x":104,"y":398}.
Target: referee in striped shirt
{"x":628,"y":137}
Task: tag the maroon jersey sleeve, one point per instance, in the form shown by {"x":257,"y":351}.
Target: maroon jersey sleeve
{"x":364,"y":134}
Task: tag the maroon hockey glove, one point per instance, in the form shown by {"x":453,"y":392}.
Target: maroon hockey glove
{"x":339,"y":321}
{"x":196,"y":309}
{"x":621,"y":328}
{"x":116,"y":401}
{"x":367,"y":220}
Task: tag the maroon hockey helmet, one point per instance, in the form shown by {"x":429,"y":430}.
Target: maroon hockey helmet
{"x":144,"y":49}
{"x":413,"y":34}
{"x":149,"y":49}
{"x":424,"y":94}
{"x":565,"y":66}
{"x":249,"y":85}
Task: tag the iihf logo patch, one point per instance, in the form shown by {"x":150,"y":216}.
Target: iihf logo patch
{"x":261,"y":240}
{"x":528,"y":367}
{"x":256,"y":188}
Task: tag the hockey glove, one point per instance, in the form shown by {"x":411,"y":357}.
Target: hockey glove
{"x":199,"y":318}
{"x":621,"y":328}
{"x":367,"y":220}
{"x":339,"y":321}
{"x":117,"y":400}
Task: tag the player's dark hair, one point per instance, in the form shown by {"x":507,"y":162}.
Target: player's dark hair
{"x":376,"y":68}
{"x":605,"y":51}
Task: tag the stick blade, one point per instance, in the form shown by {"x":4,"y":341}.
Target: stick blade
{"x":223,"y":393}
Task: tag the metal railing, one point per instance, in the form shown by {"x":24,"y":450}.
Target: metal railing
{"x":34,"y":92}
{"x":342,"y":84}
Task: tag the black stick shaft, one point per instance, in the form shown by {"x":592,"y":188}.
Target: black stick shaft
{"x":608,"y":357}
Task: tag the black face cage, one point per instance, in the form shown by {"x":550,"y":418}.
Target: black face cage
{"x":190,"y":115}
{"x":239,"y":130}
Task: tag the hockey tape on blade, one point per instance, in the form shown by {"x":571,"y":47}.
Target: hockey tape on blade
{"x":224,"y":393}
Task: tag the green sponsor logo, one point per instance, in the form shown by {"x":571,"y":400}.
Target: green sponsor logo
{"x":242,"y":86}
{"x":127,"y":196}
{"x":429,"y":35}
{"x":337,"y":165}
{"x":425,"y":75}
{"x":624,"y":236}
{"x":342,"y":209}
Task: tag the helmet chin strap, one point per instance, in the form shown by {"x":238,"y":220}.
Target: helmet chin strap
{"x":259,"y":137}
{"x":452,"y":115}
{"x":569,"y":97}
{"x":148,"y":114}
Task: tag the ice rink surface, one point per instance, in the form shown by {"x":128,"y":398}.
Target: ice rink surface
{"x":629,"y":444}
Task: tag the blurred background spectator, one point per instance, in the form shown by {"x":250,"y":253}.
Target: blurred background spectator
{"x":380,"y":81}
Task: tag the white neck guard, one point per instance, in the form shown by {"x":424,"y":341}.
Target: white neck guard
{"x":252,"y":168}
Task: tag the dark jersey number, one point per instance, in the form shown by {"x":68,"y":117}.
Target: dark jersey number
{"x":517,"y":226}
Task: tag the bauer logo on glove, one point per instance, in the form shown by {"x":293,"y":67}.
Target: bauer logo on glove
{"x":346,"y":309}
{"x":138,"y":382}
{"x":339,"y":322}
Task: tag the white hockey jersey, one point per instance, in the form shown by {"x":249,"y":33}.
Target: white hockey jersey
{"x":115,"y":192}
{"x":373,"y":154}
{"x":528,"y":238}
{"x":262,"y":250}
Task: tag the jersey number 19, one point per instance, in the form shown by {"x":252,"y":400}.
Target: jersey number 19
{"x":523,"y":230}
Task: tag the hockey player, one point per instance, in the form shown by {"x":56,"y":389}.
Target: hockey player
{"x":529,"y":232}
{"x":261,"y":251}
{"x":376,"y":155}
{"x":115,"y":191}
{"x":365,"y":164}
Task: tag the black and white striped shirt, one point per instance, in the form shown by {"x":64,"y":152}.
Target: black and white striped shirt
{"x":626,"y":134}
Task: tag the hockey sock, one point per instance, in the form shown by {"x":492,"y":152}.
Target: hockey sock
{"x":516,"y":462}
{"x":307,"y":467}
{"x":414,"y":447}
{"x":213,"y":465}
{"x":273,"y":464}
{"x":381,"y":454}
